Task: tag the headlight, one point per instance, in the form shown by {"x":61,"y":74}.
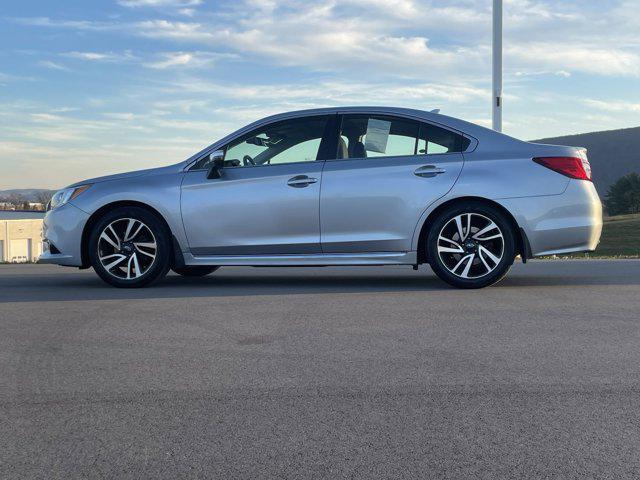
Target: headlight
{"x":63,"y":196}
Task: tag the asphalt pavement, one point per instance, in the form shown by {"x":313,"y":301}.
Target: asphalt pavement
{"x":372,"y":372}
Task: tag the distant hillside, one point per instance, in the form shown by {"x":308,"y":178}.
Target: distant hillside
{"x":29,"y":194}
{"x":612,"y":154}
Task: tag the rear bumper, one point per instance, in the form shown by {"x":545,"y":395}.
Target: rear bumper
{"x":557,"y":224}
{"x":62,"y":228}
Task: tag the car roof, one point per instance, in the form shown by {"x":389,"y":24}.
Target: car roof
{"x":401,"y":111}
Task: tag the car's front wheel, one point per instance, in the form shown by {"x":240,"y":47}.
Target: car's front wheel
{"x":130,"y":247}
{"x":471,"y":245}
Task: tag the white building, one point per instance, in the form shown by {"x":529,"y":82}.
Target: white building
{"x":36,"y":206}
{"x":20,"y":236}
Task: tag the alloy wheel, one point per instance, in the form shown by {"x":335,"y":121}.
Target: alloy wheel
{"x":127,"y":248}
{"x":471,"y":245}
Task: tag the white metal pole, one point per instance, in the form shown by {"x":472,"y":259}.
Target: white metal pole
{"x":497,"y":66}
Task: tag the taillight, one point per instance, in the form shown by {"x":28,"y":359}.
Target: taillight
{"x":572,"y":167}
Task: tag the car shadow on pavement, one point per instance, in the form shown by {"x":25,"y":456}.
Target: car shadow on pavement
{"x":73,"y":285}
{"x":80,"y":286}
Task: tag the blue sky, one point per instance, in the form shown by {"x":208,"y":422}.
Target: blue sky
{"x":95,"y":87}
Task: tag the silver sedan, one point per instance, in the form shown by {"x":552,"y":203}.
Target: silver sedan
{"x":337,"y":186}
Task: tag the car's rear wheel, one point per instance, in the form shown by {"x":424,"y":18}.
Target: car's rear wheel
{"x":194,"y":270}
{"x":471,"y":245}
{"x":130,"y":247}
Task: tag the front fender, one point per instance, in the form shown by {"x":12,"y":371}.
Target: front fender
{"x":160,"y":192}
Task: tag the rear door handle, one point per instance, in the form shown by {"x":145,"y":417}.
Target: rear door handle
{"x":301,"y":181}
{"x":428,"y":171}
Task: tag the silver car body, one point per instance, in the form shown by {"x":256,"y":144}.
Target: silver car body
{"x":357,"y":212}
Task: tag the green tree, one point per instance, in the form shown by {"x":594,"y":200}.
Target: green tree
{"x":624,"y":196}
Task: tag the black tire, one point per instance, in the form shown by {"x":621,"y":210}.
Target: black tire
{"x":156,"y":231}
{"x":194,"y":270}
{"x":500,"y":269}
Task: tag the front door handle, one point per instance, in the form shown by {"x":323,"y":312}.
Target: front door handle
{"x":428,"y":171}
{"x":301,"y":181}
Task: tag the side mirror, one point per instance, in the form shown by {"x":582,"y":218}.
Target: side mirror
{"x":216,"y":160}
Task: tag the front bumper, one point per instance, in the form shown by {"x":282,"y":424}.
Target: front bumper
{"x":559,"y":224}
{"x":62,"y":229}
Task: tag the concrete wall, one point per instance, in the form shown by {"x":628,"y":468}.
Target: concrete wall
{"x":20,"y":240}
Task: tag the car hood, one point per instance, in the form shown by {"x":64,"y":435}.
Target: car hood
{"x":120,"y":176}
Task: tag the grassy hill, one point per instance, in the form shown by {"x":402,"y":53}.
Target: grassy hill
{"x":620,"y":236}
{"x":612,"y":153}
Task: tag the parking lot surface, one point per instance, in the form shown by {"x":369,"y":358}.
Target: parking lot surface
{"x":322,"y":373}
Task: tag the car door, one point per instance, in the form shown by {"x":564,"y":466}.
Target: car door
{"x":267,"y":199}
{"x":388,"y":171}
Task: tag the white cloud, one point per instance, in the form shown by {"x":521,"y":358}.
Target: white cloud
{"x":307,"y":95}
{"x":187,"y":12}
{"x":72,"y":24}
{"x":526,"y":12}
{"x":180,"y":7}
{"x":406,"y":9}
{"x":159,"y":3}
{"x":186,"y":60}
{"x":166,"y":29}
{"x":89,"y":55}
{"x":6,"y":78}
{"x":186,"y":106}
{"x":173,"y":60}
{"x":613,"y":106}
{"x":125,"y":116}
{"x":574,"y":57}
{"x":52,"y":65}
{"x":46,"y":117}
{"x":534,"y":73}
{"x":101,"y":56}
{"x":294,"y":42}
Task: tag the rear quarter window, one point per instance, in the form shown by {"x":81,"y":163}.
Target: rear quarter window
{"x":435,"y":140}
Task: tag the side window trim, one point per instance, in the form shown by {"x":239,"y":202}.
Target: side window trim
{"x":334,"y":133}
{"x":329,"y":144}
{"x":337,"y":134}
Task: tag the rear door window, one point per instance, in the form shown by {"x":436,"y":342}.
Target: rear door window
{"x":370,"y":136}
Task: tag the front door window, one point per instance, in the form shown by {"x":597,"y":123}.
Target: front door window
{"x":288,"y":141}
